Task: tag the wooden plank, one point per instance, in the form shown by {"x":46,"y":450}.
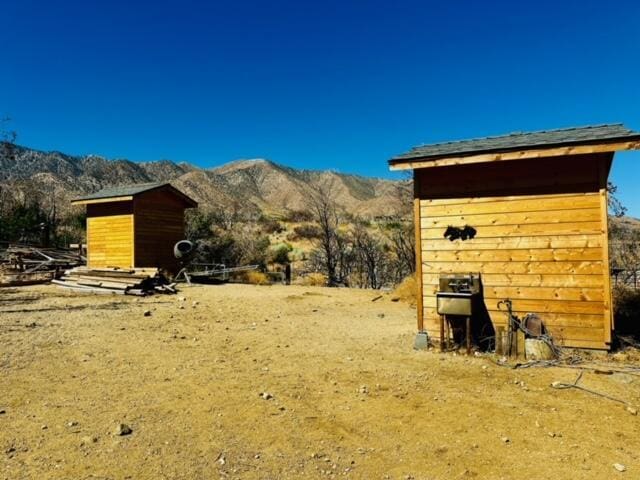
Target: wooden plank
{"x":102,"y":200}
{"x":498,"y":317}
{"x":433,"y":332}
{"x":499,"y":231}
{"x":566,"y":329}
{"x":522,"y":255}
{"x":515,"y":155}
{"x":574,"y":268}
{"x":492,"y":205}
{"x":515,"y":243}
{"x":539,"y":306}
{"x":513,"y":218}
{"x":478,"y":200}
{"x":535,"y":293}
{"x":529,"y":280}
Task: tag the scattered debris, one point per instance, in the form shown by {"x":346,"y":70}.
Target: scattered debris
{"x":561,"y":386}
{"x":619,"y":467}
{"x":27,"y":265}
{"x":375,"y":299}
{"x":123,"y":429}
{"x":265,"y":396}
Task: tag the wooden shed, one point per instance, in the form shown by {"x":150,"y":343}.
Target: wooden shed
{"x":135,"y":226}
{"x":538,"y":204}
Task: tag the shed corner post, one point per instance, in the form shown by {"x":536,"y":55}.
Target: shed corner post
{"x":609,"y":322}
{"x":133,"y":233}
{"x":418,"y":251}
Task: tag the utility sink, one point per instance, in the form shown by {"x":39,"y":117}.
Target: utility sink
{"x":457,"y":294}
{"x":454,"y":303}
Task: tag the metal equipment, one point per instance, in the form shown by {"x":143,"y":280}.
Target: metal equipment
{"x":186,"y":251}
{"x":456,"y":296}
{"x":531,"y":327}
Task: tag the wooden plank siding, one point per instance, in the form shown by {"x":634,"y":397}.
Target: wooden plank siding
{"x":541,"y":240}
{"x":110,"y":235}
{"x":159,"y":225}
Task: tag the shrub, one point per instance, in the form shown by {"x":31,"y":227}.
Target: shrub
{"x":270,"y":225}
{"x":313,"y":280}
{"x":299,"y":216}
{"x":407,"y":290}
{"x":256,"y":278}
{"x":626,"y":310}
{"x":280,"y":254}
{"x":308,"y":231}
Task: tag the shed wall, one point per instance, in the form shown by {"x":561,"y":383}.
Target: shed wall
{"x":541,"y":241}
{"x":159,"y":224}
{"x":110,"y":235}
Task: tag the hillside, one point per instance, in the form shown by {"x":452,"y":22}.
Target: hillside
{"x":256,"y":185}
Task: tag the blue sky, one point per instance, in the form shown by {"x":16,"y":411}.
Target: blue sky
{"x":328,"y":84}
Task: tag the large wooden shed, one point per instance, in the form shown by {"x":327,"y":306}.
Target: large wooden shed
{"x":538,"y":204}
{"x":135,"y":226}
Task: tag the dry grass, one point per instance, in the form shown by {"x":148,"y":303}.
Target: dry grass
{"x":407,"y":291}
{"x":256,"y":278}
{"x":312,"y":280}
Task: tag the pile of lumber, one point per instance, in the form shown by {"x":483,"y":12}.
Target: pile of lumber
{"x":135,"y":281}
{"x":28,"y":258}
{"x":28,"y":265}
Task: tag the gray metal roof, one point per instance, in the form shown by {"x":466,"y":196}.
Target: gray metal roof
{"x":124,"y":191}
{"x":521,"y":140}
{"x":131,"y":190}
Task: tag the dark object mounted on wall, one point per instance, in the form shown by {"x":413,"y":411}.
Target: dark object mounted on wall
{"x":465,"y":233}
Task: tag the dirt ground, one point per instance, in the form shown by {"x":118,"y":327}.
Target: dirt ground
{"x":344,"y":393}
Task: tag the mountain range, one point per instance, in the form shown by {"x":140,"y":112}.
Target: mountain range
{"x":254,"y":185}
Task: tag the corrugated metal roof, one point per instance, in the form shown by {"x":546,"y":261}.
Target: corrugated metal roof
{"x":521,"y":140}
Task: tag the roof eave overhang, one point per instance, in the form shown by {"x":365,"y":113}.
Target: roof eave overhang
{"x":613,"y":145}
{"x":91,"y":201}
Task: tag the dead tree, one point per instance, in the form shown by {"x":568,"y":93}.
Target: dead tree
{"x":400,"y":230}
{"x":325,"y":213}
{"x":371,"y":258}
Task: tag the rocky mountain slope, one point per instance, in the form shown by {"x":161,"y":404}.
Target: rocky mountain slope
{"x":256,"y":185}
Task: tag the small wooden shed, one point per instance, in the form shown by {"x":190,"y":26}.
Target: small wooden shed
{"x":135,"y":226}
{"x":538,"y":204}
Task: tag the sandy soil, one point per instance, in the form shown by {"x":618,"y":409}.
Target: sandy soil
{"x":350,"y":397}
